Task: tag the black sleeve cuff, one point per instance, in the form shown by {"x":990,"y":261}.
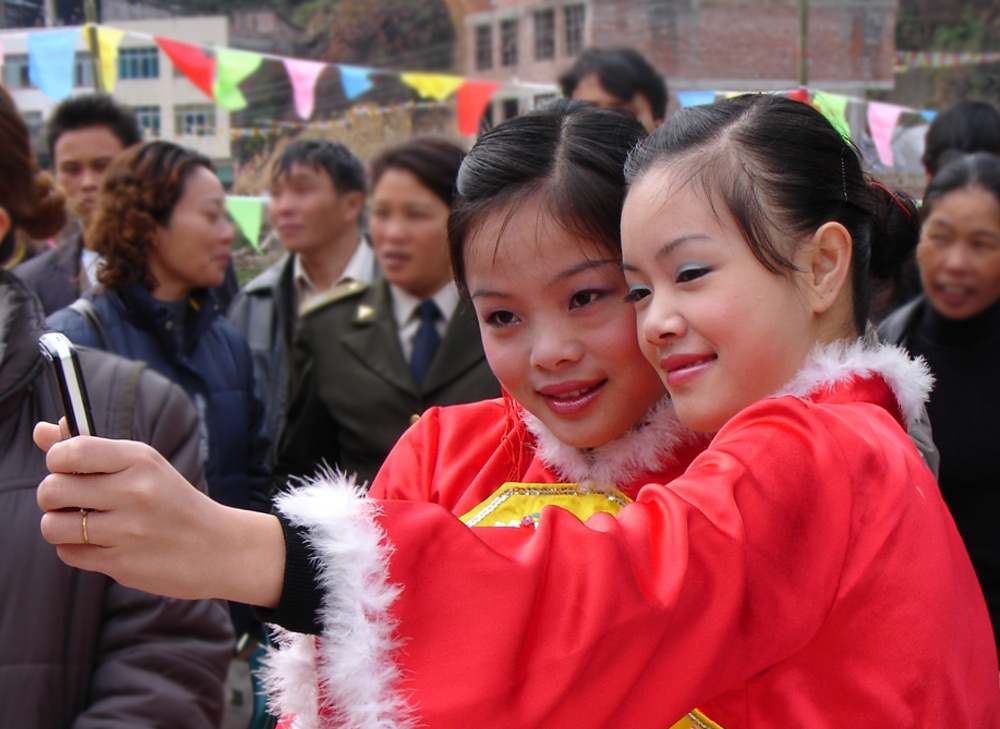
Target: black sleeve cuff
{"x":301,"y":596}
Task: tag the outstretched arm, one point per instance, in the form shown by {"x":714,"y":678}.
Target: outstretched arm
{"x":149,"y":529}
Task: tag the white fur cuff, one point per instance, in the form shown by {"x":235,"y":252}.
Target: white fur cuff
{"x":345,"y":677}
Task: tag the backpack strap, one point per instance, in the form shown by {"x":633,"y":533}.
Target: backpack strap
{"x":130,"y":394}
{"x":85,"y":308}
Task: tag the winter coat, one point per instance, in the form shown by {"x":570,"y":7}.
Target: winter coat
{"x":803,"y":571}
{"x":76,"y":648}
{"x":213,"y":366}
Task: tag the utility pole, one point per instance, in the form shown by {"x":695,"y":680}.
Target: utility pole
{"x":803,"y":43}
{"x":90,"y":11}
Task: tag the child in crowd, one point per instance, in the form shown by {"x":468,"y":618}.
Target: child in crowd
{"x":802,"y":570}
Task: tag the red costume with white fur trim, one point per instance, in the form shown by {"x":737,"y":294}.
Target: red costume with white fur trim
{"x":802,"y":572}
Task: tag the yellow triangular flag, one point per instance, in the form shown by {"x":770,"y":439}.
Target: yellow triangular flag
{"x":108,"y":40}
{"x":436,"y":86}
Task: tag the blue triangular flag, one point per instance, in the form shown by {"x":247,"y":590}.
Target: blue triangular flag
{"x":51,"y":60}
{"x":354,"y":80}
{"x":695,"y":98}
{"x":928,"y":114}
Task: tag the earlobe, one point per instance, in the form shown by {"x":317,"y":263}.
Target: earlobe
{"x":4,"y":223}
{"x":829,"y":264}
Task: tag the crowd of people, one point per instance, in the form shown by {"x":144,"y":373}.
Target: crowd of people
{"x":614,"y":419}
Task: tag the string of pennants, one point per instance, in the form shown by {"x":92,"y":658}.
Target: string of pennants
{"x":882,"y":119}
{"x":218,"y":73}
{"x":910,"y":60}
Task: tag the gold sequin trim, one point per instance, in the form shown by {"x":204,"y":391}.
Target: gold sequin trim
{"x":524,"y":491}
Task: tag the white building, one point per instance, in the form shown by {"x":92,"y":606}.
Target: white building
{"x":168,"y":105}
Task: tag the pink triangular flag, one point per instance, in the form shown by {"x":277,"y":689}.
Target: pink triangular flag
{"x":303,"y":75}
{"x":882,"y":119}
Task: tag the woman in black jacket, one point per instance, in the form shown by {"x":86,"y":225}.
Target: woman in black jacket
{"x":955,"y":326}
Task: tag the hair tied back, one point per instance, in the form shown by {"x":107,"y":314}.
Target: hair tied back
{"x":891,"y":194}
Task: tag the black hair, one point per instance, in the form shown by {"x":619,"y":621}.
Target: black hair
{"x":968,"y":126}
{"x":92,"y":110}
{"x":432,"y":160}
{"x":782,"y":171}
{"x":623,"y":72}
{"x":570,"y":155}
{"x":980,"y":170}
{"x":341,"y":165}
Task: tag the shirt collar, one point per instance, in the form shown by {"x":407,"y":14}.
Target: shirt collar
{"x":405,"y":303}
{"x":360,"y":267}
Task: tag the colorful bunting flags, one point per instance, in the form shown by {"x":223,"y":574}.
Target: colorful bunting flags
{"x":472,"y":99}
{"x":231,"y":67}
{"x":882,"y":120}
{"x":909,"y":60}
{"x":303,"y":75}
{"x":108,"y":41}
{"x":432,"y":85}
{"x":193,"y":61}
{"x":355,"y":81}
{"x":834,"y":108}
{"x":248,"y":212}
{"x":51,"y":57}
{"x":695,"y":98}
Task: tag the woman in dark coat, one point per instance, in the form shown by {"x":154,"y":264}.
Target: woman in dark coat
{"x":162,"y":227}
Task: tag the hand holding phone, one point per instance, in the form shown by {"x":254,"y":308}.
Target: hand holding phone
{"x":62,"y":356}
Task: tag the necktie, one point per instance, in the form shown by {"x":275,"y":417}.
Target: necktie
{"x":426,"y":342}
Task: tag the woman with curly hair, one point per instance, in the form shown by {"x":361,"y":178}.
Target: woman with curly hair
{"x":162,"y":227}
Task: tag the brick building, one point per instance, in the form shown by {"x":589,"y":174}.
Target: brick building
{"x":739,"y":45}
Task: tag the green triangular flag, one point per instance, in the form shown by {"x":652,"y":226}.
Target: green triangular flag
{"x":248,"y":212}
{"x":834,"y":108}
{"x":230,"y":69}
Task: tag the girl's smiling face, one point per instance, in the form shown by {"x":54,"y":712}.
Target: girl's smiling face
{"x":722,"y":330}
{"x":556,"y":329}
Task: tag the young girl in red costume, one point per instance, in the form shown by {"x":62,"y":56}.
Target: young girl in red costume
{"x":803,"y":571}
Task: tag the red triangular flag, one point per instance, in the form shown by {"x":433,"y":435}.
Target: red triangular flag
{"x":193,"y":62}
{"x":799,"y":94}
{"x":471,"y":100}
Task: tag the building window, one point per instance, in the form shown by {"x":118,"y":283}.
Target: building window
{"x":508,"y":42}
{"x":511,"y":107}
{"x":545,"y":35}
{"x":574,"y":29}
{"x":138,"y":63}
{"x":83,"y":70}
{"x":196,"y":120}
{"x":149,"y":120}
{"x":15,"y":72}
{"x":484,"y":47}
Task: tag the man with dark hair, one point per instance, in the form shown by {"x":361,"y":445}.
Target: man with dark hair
{"x":317,"y":195}
{"x":965,"y":127}
{"x":618,"y":77}
{"x":83,"y":134}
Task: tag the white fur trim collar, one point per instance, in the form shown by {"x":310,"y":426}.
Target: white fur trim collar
{"x":645,"y":448}
{"x":833,"y":364}
{"x":353,"y":658}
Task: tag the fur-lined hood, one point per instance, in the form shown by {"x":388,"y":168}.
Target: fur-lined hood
{"x":354,"y":659}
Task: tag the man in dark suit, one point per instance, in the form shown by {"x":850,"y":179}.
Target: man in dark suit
{"x":353,"y":392}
